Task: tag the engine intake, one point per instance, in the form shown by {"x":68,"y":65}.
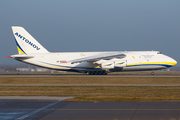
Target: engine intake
{"x":120,"y":63}
{"x":107,"y":65}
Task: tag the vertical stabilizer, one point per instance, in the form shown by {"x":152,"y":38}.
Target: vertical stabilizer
{"x":25,"y":42}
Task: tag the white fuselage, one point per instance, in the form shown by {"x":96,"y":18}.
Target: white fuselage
{"x":139,"y":60}
{"x":93,"y":63}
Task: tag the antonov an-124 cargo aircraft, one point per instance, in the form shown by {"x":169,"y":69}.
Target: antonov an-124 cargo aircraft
{"x":91,"y":63}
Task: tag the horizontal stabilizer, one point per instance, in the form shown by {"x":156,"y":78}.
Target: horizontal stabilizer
{"x":20,"y":57}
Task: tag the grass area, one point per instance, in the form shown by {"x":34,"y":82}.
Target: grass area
{"x":98,"y":93}
{"x":89,"y":80}
{"x":93,"y":93}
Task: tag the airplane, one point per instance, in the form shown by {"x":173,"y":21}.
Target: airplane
{"x":91,"y":63}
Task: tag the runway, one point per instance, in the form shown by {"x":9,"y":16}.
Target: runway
{"x":33,"y":109}
{"x":65,"y":75}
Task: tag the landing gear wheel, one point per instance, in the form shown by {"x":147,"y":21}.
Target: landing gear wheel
{"x":104,"y":73}
{"x":98,"y":73}
{"x":152,"y":73}
{"x":90,"y":73}
{"x":95,"y":73}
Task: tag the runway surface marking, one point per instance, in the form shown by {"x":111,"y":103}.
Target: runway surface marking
{"x":89,"y":84}
{"x":44,"y":108}
{"x":36,"y":111}
{"x":117,"y":109}
{"x":35,"y":97}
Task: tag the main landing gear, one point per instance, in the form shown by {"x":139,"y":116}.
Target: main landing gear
{"x":96,"y":73}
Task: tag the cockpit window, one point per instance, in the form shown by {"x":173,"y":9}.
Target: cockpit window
{"x":158,"y":52}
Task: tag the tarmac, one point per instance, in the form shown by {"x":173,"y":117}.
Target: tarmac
{"x":56,"y":108}
{"x":45,"y":108}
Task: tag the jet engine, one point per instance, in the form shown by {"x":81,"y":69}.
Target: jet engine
{"x":120,"y":63}
{"x":113,"y":64}
{"x":107,"y":65}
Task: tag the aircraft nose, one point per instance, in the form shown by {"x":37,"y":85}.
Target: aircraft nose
{"x":174,"y":62}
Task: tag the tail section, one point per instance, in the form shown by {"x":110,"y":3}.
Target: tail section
{"x":25,"y":42}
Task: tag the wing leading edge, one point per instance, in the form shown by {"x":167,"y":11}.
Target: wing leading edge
{"x":99,"y":57}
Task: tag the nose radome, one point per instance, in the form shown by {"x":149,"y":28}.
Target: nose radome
{"x":174,"y":62}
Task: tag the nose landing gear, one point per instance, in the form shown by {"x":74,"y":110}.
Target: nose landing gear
{"x":152,"y":73}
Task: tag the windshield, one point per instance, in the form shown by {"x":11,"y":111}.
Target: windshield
{"x":159,"y":53}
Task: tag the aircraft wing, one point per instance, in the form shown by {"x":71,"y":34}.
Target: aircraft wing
{"x":94,"y":58}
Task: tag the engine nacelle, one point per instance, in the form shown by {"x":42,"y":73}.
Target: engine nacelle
{"x":107,"y":65}
{"x":120,"y":63}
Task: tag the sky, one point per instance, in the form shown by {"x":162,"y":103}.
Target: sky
{"x":93,"y":25}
